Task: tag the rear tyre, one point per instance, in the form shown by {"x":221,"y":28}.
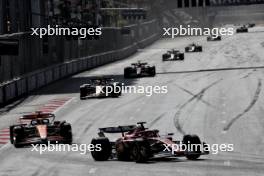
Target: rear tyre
{"x":106,"y":149}
{"x":122,"y":152}
{"x":196,"y":152}
{"x":182,"y":56}
{"x":141,"y":152}
{"x":152,"y":71}
{"x":199,"y":49}
{"x":127,"y":72}
{"x":83,"y":93}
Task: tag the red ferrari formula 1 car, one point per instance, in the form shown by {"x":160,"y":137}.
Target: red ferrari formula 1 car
{"x":139,"y":69}
{"x":139,"y":144}
{"x":40,"y":128}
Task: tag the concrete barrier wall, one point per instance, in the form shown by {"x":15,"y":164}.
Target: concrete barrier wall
{"x":32,"y":81}
{"x":212,"y":16}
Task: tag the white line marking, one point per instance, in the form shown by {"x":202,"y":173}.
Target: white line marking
{"x":92,"y":170}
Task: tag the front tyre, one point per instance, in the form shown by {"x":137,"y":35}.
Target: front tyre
{"x":66,"y":133}
{"x":195,"y":142}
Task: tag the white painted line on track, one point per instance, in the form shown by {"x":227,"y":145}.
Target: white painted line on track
{"x":92,"y":170}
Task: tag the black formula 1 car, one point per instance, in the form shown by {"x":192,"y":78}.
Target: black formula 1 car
{"x":242,"y":29}
{"x":101,"y":87}
{"x":40,"y":128}
{"x":173,"y":55}
{"x":193,"y":48}
{"x":139,"y":69}
{"x":139,"y":144}
{"x":214,"y":38}
{"x":251,"y":25}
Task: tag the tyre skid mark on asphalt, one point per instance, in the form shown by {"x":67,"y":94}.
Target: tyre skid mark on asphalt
{"x":211,"y":70}
{"x":248,"y":108}
{"x":197,"y":96}
{"x":156,"y":120}
{"x":248,"y":74}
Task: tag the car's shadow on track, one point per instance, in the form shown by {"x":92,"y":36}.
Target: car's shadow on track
{"x":72,"y":84}
{"x":163,"y":160}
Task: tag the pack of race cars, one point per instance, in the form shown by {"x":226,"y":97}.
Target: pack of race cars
{"x":136,"y":143}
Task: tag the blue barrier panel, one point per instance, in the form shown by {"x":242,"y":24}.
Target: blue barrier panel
{"x":69,"y":68}
{"x":1,"y":95}
{"x":63,"y":70}
{"x":21,"y":86}
{"x":83,"y":64}
{"x":40,"y":79}
{"x":10,"y":91}
{"x":90,"y":62}
{"x":31,"y":82}
{"x":48,"y":76}
{"x":56,"y":73}
{"x":75,"y":66}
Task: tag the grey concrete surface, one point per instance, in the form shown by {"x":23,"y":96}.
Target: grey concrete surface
{"x":221,"y":106}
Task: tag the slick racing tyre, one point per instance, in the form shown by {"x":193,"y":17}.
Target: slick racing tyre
{"x":105,"y":151}
{"x":83,"y":93}
{"x":141,"y":152}
{"x":127,"y":72}
{"x":66,"y":132}
{"x":18,"y":133}
{"x":122,"y":152}
{"x":199,"y":49}
{"x":181,"y":56}
{"x":152,"y":71}
{"x":196,"y":149}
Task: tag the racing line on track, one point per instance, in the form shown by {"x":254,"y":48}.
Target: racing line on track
{"x":51,"y":107}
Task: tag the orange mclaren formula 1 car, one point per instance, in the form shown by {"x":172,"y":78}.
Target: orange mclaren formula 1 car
{"x":40,"y":128}
{"x":140,"y":144}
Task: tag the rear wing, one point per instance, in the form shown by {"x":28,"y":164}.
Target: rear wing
{"x":141,"y":63}
{"x":37,"y":115}
{"x":101,"y":80}
{"x":119,"y":129}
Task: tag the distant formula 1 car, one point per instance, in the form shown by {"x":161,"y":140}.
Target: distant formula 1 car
{"x":242,"y":29}
{"x":40,"y":128}
{"x":139,"y":144}
{"x":173,"y":55}
{"x":100,"y":87}
{"x":214,"y":38}
{"x":251,"y":25}
{"x":193,"y":48}
{"x":139,"y":69}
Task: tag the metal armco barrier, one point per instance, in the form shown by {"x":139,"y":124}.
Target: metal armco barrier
{"x":32,"y":81}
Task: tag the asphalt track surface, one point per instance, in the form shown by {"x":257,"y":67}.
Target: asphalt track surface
{"x":217,"y":94}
